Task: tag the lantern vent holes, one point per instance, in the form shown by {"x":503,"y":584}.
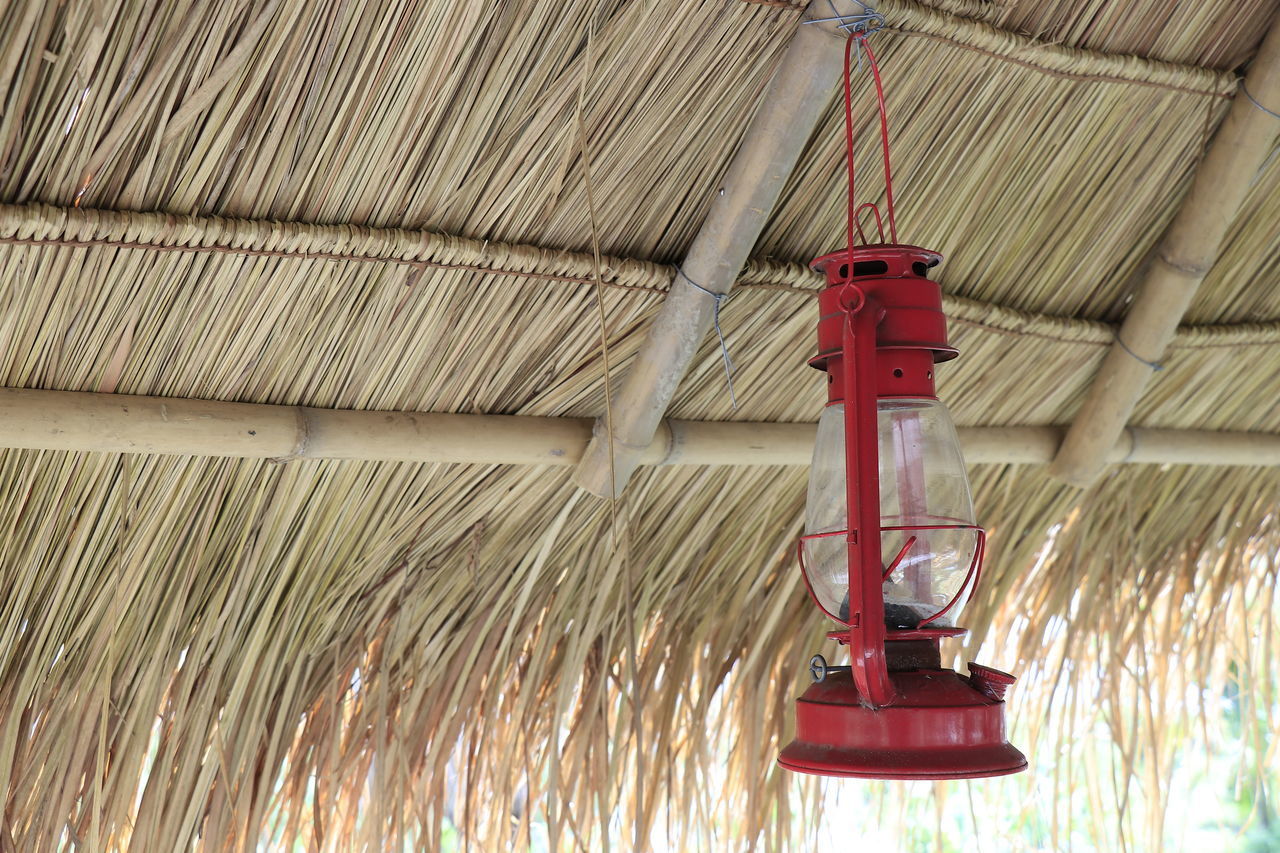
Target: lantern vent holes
{"x":867,"y":269}
{"x":862,"y":269}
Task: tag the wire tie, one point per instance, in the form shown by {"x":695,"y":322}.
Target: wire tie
{"x":1154,"y":365}
{"x":864,"y":24}
{"x":848,"y":22}
{"x":857,"y":25}
{"x":1265,"y":166}
{"x":1244,"y":88}
{"x":719,"y":299}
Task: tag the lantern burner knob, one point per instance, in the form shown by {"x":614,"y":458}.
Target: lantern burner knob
{"x":819,"y":669}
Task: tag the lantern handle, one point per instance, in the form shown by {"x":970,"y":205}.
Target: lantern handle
{"x":858,"y":38}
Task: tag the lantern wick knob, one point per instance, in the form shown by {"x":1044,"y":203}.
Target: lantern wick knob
{"x":818,"y":668}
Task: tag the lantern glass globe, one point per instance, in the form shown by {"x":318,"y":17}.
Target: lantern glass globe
{"x":924,"y":493}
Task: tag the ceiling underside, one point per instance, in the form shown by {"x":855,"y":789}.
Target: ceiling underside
{"x":1045,"y":191}
{"x":1044,"y":194}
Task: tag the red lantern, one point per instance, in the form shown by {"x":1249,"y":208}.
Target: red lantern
{"x":891,"y":549}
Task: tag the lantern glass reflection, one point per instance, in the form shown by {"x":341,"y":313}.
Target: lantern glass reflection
{"x":924,"y":493}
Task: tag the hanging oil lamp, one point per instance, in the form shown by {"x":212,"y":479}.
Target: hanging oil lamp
{"x":891,"y":549}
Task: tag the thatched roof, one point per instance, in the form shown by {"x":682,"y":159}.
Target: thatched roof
{"x":383,"y":207}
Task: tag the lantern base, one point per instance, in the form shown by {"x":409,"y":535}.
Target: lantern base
{"x":940,"y":726}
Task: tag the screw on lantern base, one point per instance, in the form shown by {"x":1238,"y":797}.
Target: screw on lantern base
{"x":940,"y":726}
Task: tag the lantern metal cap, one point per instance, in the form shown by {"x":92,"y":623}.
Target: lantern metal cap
{"x":896,"y":278}
{"x":940,"y":726}
{"x":893,"y":255}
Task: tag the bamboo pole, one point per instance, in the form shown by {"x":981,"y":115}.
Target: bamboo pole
{"x":798,"y":93}
{"x":117,"y":423}
{"x":64,"y":420}
{"x":1186,"y":254}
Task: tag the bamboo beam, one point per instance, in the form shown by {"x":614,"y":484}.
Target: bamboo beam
{"x":1186,"y":254}
{"x":118,"y":423}
{"x":1037,"y":445}
{"x":797,"y":95}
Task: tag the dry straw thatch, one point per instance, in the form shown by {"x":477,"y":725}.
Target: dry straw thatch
{"x":207,"y":653}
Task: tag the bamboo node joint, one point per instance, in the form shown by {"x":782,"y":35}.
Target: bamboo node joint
{"x":1197,"y":271}
{"x":302,"y":437}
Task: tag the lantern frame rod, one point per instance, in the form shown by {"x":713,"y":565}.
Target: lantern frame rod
{"x":1186,"y":254}
{"x":866,"y":634}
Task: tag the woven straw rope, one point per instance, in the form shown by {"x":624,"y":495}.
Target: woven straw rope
{"x":914,"y":20}
{"x":45,"y":225}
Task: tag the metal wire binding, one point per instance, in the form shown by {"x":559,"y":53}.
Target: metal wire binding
{"x":719,"y":299}
{"x":1244,"y":88}
{"x":859,"y":25}
{"x":867,"y":21}
{"x":1154,"y":365}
